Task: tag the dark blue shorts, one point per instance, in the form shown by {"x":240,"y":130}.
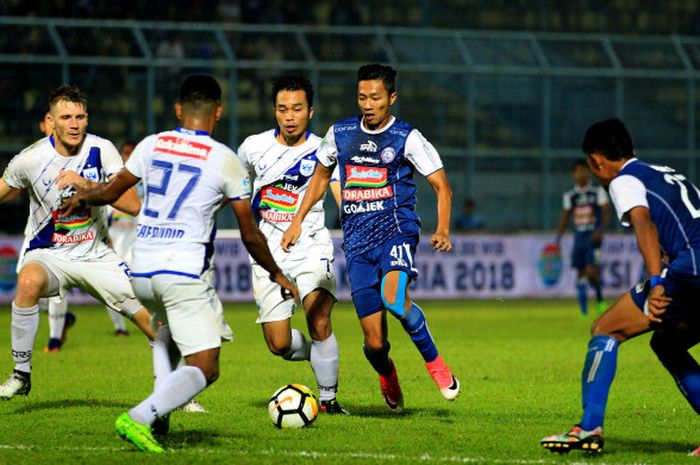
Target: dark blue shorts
{"x":366,"y":271}
{"x":585,"y":253}
{"x":684,"y":290}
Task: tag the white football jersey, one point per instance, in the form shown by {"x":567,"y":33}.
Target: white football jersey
{"x":281,"y":176}
{"x":83,"y":234}
{"x":186,"y":177}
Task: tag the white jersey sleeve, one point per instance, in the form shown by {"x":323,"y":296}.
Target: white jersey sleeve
{"x":422,"y":154}
{"x":335,"y":176}
{"x":626,"y":193}
{"x":327,"y":152}
{"x":602,"y":196}
{"x":135,"y":164}
{"x":234,"y":179}
{"x":566,"y":200}
{"x":15,"y":174}
{"x":111,"y":160}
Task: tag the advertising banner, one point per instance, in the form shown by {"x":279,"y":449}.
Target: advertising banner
{"x":479,"y":266}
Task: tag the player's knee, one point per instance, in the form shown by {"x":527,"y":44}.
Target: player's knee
{"x":395,"y":299}
{"x":664,"y":347}
{"x":319,"y":328}
{"x":211,"y":374}
{"x":279,"y":348}
{"x":29,"y":288}
{"x":376,"y":349}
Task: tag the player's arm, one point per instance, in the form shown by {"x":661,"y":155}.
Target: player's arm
{"x":128,"y":203}
{"x":441,"y":239}
{"x":648,"y":243}
{"x":317,"y":187}
{"x":335,"y":190}
{"x":256,"y":244}
{"x":563,"y":223}
{"x":101,"y":194}
{"x":7,"y":193}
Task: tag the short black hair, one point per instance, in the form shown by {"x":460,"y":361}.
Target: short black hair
{"x":376,"y":71}
{"x":579,"y":162}
{"x":609,"y":138}
{"x":42,"y":112}
{"x":70,"y":93}
{"x":293,"y":82}
{"x":198,"y":89}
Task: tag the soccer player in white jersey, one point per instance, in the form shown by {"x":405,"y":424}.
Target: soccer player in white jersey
{"x":281,"y":162}
{"x":64,"y":251}
{"x":186,"y":175}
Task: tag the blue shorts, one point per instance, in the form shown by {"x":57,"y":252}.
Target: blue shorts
{"x":684,"y":291}
{"x":585,"y":253}
{"x":366,"y":271}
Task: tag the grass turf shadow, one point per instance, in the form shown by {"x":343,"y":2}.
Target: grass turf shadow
{"x":70,"y":403}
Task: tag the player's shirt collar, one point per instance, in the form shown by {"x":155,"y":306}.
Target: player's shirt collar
{"x":306,"y":136}
{"x":192,"y":132}
{"x":392,"y":120}
{"x":631,"y":160}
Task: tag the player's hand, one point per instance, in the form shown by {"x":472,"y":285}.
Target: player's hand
{"x":71,"y":178}
{"x":657,"y":302}
{"x":289,"y":290}
{"x":72,"y":204}
{"x":441,"y":241}
{"x":597,"y":237}
{"x":290,"y":236}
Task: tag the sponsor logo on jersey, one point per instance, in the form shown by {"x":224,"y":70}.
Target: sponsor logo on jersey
{"x":158,"y":232}
{"x":75,"y":221}
{"x":363,"y":207}
{"x":307,"y":167}
{"x":369,"y":146}
{"x":364,"y":176}
{"x":360,"y":159}
{"x":388,"y":155}
{"x":285,"y":201}
{"x":173,"y":145}
{"x":73,"y":239}
{"x":92,"y":174}
{"x":355,"y":195}
{"x":276,"y":216}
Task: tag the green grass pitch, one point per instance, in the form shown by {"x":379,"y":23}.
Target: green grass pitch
{"x":519,"y":363}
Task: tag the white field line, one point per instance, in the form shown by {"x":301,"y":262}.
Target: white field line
{"x":379,"y":457}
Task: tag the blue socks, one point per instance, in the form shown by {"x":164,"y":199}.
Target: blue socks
{"x":689,"y":384}
{"x":597,"y":376}
{"x":597,"y":287}
{"x":417,"y":328}
{"x":582,"y":297}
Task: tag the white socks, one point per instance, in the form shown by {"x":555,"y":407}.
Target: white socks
{"x":174,"y":390}
{"x":324,"y":362}
{"x":165,"y":355}
{"x":300,"y":348}
{"x":57,"y":317}
{"x":117,"y":319}
{"x":25,"y":324}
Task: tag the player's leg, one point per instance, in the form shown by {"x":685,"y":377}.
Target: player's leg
{"x":622,"y":321}
{"x":60,"y":319}
{"x":671,"y":344}
{"x":578,"y":262}
{"x":34,"y":281}
{"x":324,"y":348}
{"x":194,"y":328}
{"x":286,"y":342}
{"x":118,"y":321}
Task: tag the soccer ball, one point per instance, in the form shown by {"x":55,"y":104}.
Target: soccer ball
{"x":293,"y":406}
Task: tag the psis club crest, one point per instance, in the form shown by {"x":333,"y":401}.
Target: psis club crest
{"x":307,"y":167}
{"x":388,"y":155}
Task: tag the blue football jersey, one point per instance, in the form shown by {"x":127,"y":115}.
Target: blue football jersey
{"x":585,"y":205}
{"x":674,"y":207}
{"x":376,"y":176}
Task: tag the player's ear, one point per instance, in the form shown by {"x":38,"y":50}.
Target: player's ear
{"x":393,"y":97}
{"x":311,"y":112}
{"x":219,"y":111}
{"x":178,"y":110}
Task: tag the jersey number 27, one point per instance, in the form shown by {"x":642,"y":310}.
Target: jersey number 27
{"x":192,"y":172}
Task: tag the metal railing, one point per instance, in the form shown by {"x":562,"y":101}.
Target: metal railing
{"x":506,"y":110}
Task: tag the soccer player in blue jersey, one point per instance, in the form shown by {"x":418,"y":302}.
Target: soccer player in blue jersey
{"x":587,"y":206}
{"x":663,"y":207}
{"x":377,"y":155}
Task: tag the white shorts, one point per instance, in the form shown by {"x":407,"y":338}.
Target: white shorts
{"x":105,"y":278}
{"x":123,"y":241}
{"x":313,"y":270}
{"x":188,"y":306}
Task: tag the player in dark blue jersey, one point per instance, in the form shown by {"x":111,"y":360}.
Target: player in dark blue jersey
{"x":377,"y":156}
{"x":588,"y":209}
{"x":663,"y":207}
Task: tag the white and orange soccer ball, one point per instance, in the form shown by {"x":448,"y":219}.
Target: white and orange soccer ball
{"x":293,"y":406}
